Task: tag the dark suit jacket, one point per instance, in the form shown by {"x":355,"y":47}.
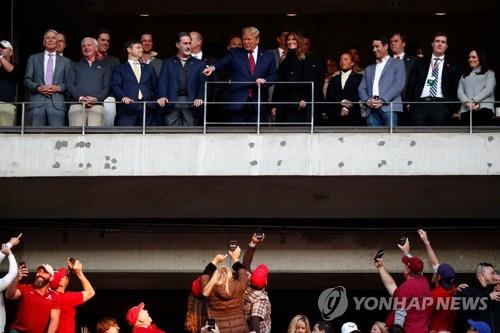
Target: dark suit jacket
{"x":168,"y":82}
{"x":124,"y":84}
{"x":237,"y":60}
{"x":450,"y":78}
{"x":335,"y":93}
{"x":35,"y":76}
{"x":409,"y":61}
{"x":293,"y":69}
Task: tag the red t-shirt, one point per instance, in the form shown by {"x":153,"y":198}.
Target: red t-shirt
{"x":440,"y":314}
{"x":68,"y":301}
{"x":150,"y":329}
{"x":412,"y":292}
{"x":33,"y":313}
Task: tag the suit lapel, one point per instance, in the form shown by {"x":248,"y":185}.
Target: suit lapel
{"x":389,"y":63}
{"x":41,"y":66}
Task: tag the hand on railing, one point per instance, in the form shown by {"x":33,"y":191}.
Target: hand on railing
{"x":162,"y":101}
{"x":89,"y":101}
{"x":197,"y":103}
{"x":302,"y":104}
{"x":260,"y":81}
{"x":127,"y":100}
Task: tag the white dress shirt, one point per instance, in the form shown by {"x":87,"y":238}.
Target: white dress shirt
{"x":344,"y":76}
{"x":198,"y":55}
{"x":378,"y":72}
{"x":400,"y":56}
{"x":426,"y":92}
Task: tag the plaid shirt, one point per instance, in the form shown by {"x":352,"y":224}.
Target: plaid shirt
{"x":256,"y":304}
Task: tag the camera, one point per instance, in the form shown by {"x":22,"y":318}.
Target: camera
{"x":233,"y":245}
{"x":379,"y":255}
{"x":402,"y":238}
{"x":211,"y":325}
{"x":259,"y":233}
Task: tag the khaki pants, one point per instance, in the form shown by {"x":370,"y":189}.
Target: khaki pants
{"x":7,"y":114}
{"x":94,"y":116}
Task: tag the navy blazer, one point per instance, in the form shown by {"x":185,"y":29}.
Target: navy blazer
{"x":237,"y":60}
{"x":168,"y":81}
{"x":391,"y":84}
{"x":124,"y":84}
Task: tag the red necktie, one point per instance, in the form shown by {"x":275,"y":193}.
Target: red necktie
{"x":251,"y":63}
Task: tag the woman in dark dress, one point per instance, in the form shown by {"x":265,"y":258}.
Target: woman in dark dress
{"x":343,"y":89}
{"x":297,"y":66}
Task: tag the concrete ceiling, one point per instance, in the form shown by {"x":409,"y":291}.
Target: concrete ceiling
{"x":264,"y":7}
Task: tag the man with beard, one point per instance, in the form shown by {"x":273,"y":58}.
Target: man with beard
{"x":38,"y":310}
{"x":181,"y":80}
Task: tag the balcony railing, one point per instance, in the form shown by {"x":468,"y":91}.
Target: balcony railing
{"x":255,"y":127}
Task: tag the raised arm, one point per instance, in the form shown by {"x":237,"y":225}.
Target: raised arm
{"x":88,"y":291}
{"x":430,"y":251}
{"x":386,"y":278}
{"x":250,"y":251}
{"x":12,"y":273}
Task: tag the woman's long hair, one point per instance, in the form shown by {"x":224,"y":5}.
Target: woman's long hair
{"x":221,"y":276}
{"x":292,"y":327}
{"x":301,"y":54}
{"x":482,"y":62}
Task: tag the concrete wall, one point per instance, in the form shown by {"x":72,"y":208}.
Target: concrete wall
{"x":377,"y":154}
{"x":317,"y":252}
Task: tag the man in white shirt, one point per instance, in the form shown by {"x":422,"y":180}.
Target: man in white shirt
{"x":382,"y":85}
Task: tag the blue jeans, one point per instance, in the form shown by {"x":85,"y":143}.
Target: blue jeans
{"x":380,"y":118}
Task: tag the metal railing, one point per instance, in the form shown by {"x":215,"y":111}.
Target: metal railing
{"x":258,"y":124}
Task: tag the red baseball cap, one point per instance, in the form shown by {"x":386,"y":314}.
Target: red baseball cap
{"x":196,"y":287}
{"x":58,"y":275}
{"x":414,"y":264}
{"x":259,"y":276}
{"x":133,"y":314}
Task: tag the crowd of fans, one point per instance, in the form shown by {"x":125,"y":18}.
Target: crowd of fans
{"x":234,"y":299}
{"x":398,"y":89}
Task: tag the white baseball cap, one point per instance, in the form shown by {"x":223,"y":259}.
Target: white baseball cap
{"x":349,"y":327}
{"x":47,"y":268}
{"x":6,"y":44}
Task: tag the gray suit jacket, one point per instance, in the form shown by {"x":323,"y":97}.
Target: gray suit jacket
{"x":34,"y":77}
{"x":391,"y":84}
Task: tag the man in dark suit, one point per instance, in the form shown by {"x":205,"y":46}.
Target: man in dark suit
{"x":397,"y":44}
{"x":382,"y":85}
{"x":213,"y":90}
{"x":45,"y":79}
{"x":181,"y":79}
{"x":132,"y":82}
{"x":434,"y":79}
{"x":249,"y":64}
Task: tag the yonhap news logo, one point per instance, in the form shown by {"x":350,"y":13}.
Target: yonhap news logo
{"x":333,"y":302}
